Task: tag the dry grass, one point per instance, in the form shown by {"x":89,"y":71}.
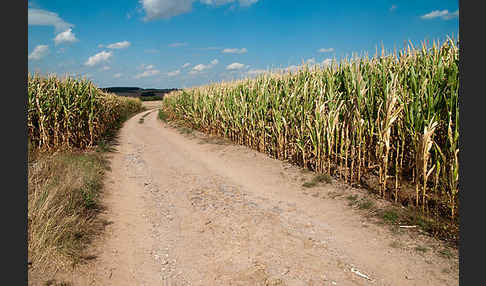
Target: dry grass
{"x":63,"y":193}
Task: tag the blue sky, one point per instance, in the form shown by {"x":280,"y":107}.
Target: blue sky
{"x":184,"y":43}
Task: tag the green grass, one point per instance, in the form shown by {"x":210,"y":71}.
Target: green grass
{"x":390,"y":216}
{"x":446,"y":253}
{"x":185,"y":130}
{"x":162,"y":115}
{"x":309,"y":184}
{"x":422,"y":249}
{"x":317,"y":179}
{"x":396,"y":244}
{"x":365,"y":204}
{"x":352,"y":199}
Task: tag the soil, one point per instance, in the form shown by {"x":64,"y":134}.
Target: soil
{"x":188,"y":209}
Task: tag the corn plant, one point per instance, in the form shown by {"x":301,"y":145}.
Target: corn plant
{"x":71,"y":112}
{"x":394,"y":115}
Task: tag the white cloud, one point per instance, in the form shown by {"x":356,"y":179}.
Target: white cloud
{"x":65,"y":37}
{"x":151,"y":51}
{"x":101,"y":46}
{"x":174,"y":73}
{"x":105,"y":68}
{"x":444,"y":14}
{"x":119,"y":45}
{"x":39,"y":52}
{"x":235,"y":51}
{"x":186,"y":65}
{"x":117,"y":75}
{"x":147,"y":73}
{"x":255,"y":72}
{"x":235,"y":66}
{"x":174,"y":45}
{"x":201,"y":67}
{"x":165,"y":9}
{"x":324,"y":50}
{"x":39,"y":17}
{"x":98,"y":58}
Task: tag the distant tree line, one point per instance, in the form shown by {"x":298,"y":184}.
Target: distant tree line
{"x":137,"y":91}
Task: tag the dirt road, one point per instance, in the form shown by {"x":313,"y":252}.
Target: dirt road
{"x":187,"y":210}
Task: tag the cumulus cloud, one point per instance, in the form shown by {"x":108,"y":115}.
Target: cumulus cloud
{"x":98,"y":58}
{"x":39,"y":52}
{"x":147,"y":73}
{"x":165,"y":9}
{"x":174,"y":73}
{"x":201,"y":67}
{"x":119,"y":45}
{"x":117,"y":75}
{"x":235,"y":51}
{"x":105,"y":68}
{"x":65,"y":37}
{"x":235,"y":66}
{"x":39,"y":17}
{"x":255,"y":72}
{"x":186,"y":65}
{"x":324,"y":50}
{"x":444,"y":14}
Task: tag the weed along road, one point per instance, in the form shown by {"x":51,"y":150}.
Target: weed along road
{"x":188,"y":209}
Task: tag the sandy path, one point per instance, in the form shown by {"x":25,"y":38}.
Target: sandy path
{"x":188,"y":212}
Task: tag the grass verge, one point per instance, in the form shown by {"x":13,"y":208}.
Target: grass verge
{"x":63,"y":201}
{"x":318,"y":179}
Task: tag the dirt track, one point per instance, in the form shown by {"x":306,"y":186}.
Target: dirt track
{"x":192,"y":211}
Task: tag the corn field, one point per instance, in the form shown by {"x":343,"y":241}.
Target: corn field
{"x":72,"y":112}
{"x":394,"y":117}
